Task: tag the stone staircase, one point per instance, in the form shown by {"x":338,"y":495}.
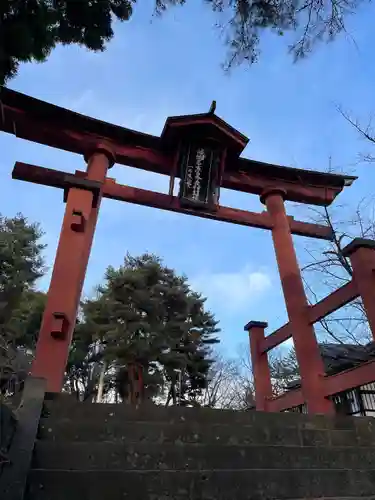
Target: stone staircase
{"x":115,"y":452}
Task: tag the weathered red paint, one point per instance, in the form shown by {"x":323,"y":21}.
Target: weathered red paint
{"x":277,"y":337}
{"x":306,"y":346}
{"x":68,"y":274}
{"x":112,"y":190}
{"x":348,"y":379}
{"x":321,"y":309}
{"x":333,"y":384}
{"x":285,"y":401}
{"x":339,"y":298}
{"x":41,"y":122}
{"x":362,"y":257}
{"x":259,"y":361}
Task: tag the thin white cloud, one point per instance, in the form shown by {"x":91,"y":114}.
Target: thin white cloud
{"x":90,"y":103}
{"x":80,"y":102}
{"x":232,"y":291}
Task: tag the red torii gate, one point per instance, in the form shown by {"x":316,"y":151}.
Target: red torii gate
{"x":361,"y":253}
{"x":204,"y":152}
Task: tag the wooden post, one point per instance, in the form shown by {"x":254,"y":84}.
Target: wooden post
{"x":259,"y":361}
{"x":59,"y":318}
{"x":362,"y":257}
{"x":307,"y":350}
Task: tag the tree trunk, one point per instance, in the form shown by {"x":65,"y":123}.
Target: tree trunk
{"x":174,"y":395}
{"x":101,"y":383}
{"x":168,"y":397}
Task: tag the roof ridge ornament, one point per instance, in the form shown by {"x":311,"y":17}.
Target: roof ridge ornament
{"x":212,"y":108}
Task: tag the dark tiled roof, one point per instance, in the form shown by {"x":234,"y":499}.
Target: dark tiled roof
{"x":340,"y":357}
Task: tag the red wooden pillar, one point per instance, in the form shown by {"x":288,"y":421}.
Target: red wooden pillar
{"x":82,"y":196}
{"x":362,"y":257}
{"x":307,"y":350}
{"x":99,"y":158}
{"x":259,"y":361}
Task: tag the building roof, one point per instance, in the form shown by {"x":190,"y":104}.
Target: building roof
{"x":204,"y":124}
{"x":340,"y":357}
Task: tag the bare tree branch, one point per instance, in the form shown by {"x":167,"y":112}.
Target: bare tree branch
{"x":349,"y":324}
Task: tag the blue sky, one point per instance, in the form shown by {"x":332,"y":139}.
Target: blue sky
{"x":156,"y":68}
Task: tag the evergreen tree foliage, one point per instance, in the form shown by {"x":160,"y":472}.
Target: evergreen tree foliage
{"x":21,"y":261}
{"x":26,"y":318}
{"x":21,"y":307}
{"x":84,"y":363}
{"x":146,"y":314}
{"x":30,"y":29}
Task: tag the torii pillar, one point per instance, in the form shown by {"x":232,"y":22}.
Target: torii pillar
{"x":83,"y":197}
{"x":260,"y":365}
{"x":307,"y":350}
{"x":361,"y":252}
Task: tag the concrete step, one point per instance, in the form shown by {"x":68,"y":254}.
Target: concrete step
{"x":145,"y":456}
{"x":118,"y":430}
{"x":202,"y":485}
{"x":68,"y":408}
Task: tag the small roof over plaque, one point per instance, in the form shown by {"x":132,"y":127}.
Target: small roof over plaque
{"x":204,"y":126}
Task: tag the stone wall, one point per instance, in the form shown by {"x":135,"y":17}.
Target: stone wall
{"x":7,"y":429}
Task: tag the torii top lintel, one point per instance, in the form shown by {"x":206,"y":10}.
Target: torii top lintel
{"x":38,"y":121}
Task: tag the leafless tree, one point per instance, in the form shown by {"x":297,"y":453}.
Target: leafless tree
{"x":365,"y":131}
{"x":326,"y":268}
{"x":283,"y":369}
{"x":227,"y":386}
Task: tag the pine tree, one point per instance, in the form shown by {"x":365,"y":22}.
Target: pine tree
{"x":146,"y":314}
{"x":84,"y":362}
{"x":31,"y":29}
{"x":21,"y":261}
{"x":26,"y":318}
{"x":21,"y":308}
